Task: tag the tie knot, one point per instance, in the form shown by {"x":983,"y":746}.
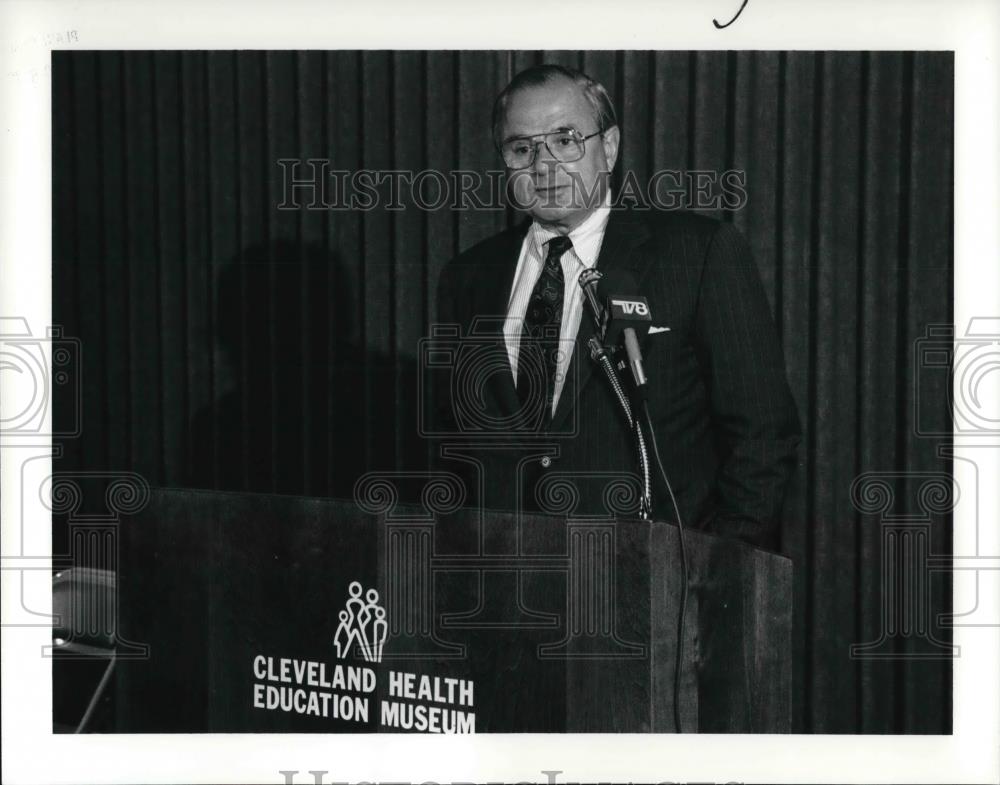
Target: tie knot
{"x":557,"y":246}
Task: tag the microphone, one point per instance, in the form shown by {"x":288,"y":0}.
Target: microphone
{"x":589,"y":280}
{"x":592,"y":281}
{"x":634,"y":357}
{"x":628,"y":319}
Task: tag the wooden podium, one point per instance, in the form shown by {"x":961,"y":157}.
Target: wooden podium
{"x":562,"y":625}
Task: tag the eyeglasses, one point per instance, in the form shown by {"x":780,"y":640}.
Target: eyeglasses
{"x":565,"y":145}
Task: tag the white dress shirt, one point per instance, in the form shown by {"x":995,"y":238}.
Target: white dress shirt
{"x":586,"y":238}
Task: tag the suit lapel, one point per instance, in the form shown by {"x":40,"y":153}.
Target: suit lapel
{"x":497,"y":274}
{"x":621,"y":249}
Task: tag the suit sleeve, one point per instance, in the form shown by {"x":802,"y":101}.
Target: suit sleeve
{"x":452,"y":310}
{"x":752,"y":407}
{"x":436,"y":385}
{"x":446,"y":312}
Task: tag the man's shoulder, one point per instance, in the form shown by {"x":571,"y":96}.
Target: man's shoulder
{"x":690,"y":238}
{"x":496,"y":247}
{"x":668,"y":224}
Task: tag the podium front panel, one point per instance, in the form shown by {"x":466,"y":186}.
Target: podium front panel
{"x":267,"y":613}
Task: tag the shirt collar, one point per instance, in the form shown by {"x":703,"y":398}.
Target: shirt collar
{"x":586,"y":237}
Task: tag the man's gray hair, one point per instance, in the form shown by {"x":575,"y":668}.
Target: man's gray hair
{"x":593,"y":91}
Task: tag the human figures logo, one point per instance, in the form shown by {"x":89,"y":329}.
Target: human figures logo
{"x":362,"y":624}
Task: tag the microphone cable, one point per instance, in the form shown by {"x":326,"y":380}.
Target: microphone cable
{"x":684,"y":562}
{"x":588,"y":282}
{"x":600,"y":356}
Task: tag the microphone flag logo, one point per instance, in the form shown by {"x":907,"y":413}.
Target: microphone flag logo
{"x":362,"y":624}
{"x":632,"y":307}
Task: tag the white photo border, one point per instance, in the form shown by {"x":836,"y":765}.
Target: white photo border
{"x":31,"y":753}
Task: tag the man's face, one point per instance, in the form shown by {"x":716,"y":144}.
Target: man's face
{"x":559,"y":194}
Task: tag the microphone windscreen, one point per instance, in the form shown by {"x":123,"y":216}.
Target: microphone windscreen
{"x":625,"y":307}
{"x":617,"y":282}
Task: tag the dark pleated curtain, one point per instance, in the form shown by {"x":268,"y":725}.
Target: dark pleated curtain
{"x":228,"y":343}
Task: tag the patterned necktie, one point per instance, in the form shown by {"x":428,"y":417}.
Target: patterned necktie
{"x":537,"y":359}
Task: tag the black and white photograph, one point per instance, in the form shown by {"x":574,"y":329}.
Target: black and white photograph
{"x":622,"y":394}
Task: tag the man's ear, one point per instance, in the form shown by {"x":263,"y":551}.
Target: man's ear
{"x":611,"y":139}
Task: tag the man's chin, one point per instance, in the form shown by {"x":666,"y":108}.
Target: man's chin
{"x":555,"y":213}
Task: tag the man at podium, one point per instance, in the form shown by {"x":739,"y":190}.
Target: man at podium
{"x":519,"y":401}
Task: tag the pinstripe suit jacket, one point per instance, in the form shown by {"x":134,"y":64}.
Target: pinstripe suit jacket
{"x":725,"y":420}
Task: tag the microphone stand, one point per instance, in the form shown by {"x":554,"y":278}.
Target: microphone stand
{"x":599,"y":354}
{"x":639,"y":377}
